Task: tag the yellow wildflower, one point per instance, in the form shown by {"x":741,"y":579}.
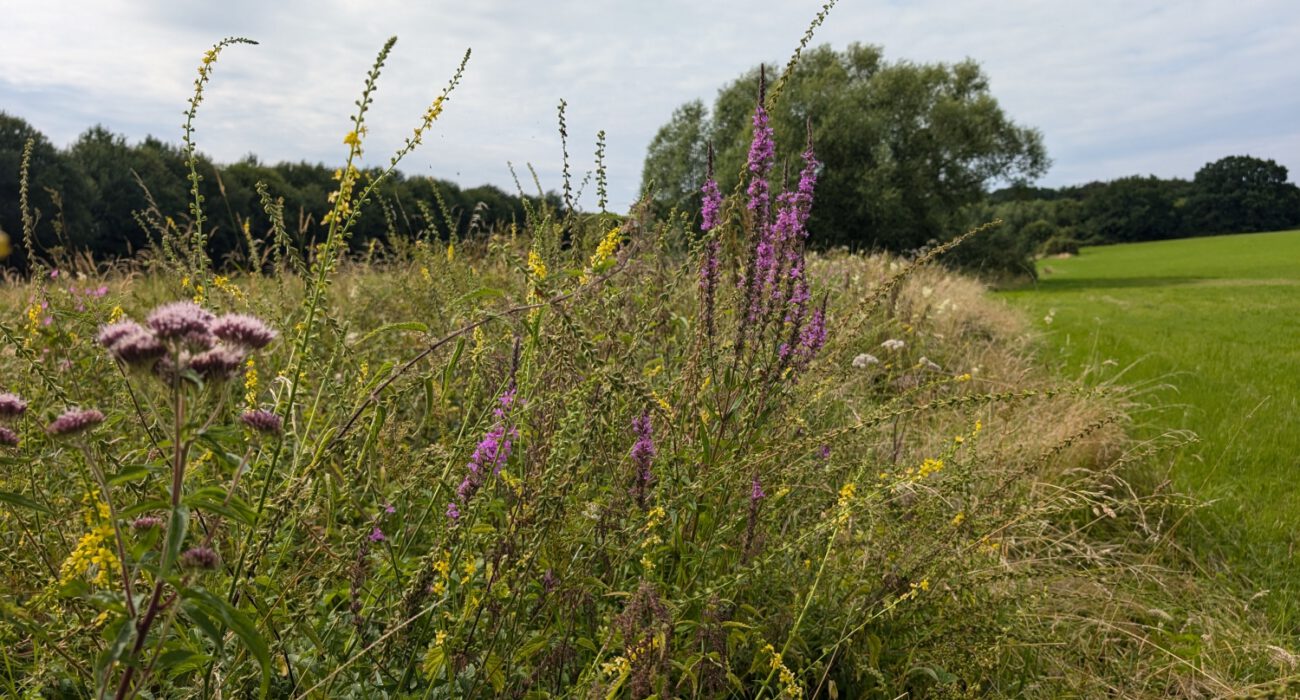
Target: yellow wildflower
{"x":250,"y":383}
{"x":536,"y":265}
{"x":93,"y":551}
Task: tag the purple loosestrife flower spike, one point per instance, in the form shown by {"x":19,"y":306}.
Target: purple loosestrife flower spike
{"x":711,"y":211}
{"x":453,"y":511}
{"x":204,"y":558}
{"x":491,"y":453}
{"x":11,"y":406}
{"x":643,"y":453}
{"x":262,"y":421}
{"x":8,"y":438}
{"x":242,"y":329}
{"x":756,"y":491}
{"x":179,"y":319}
{"x":74,"y":421}
{"x":376,"y":535}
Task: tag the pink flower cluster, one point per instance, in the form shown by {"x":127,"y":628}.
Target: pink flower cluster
{"x":185,"y":333}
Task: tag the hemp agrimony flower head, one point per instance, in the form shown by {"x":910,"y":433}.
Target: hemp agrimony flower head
{"x":74,"y":421}
{"x":146,"y":522}
{"x":8,"y":438}
{"x":140,"y":348}
{"x":179,"y":319}
{"x":219,"y":363}
{"x":113,"y":333}
{"x":11,"y":406}
{"x":262,"y":421}
{"x":202,"y":558}
{"x":243,"y":330}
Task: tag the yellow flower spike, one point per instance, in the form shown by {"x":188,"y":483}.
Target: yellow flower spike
{"x":536,"y":265}
{"x":250,"y":383}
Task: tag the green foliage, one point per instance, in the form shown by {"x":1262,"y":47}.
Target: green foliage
{"x":90,"y":199}
{"x":1242,"y":194}
{"x":905,"y":146}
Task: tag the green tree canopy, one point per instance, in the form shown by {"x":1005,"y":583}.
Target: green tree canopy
{"x":905,"y":145}
{"x":1240,"y":193}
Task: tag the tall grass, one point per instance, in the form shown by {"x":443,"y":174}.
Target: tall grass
{"x":588,"y":455}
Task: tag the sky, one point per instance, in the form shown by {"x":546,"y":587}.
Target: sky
{"x":1117,"y":87}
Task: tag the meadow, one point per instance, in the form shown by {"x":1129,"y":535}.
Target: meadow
{"x":1205,"y":327}
{"x":583,"y":455}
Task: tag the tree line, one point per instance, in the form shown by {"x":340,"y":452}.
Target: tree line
{"x":88,"y":197}
{"x":916,"y":153}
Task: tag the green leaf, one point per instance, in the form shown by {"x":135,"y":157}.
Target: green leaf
{"x":243,"y":627}
{"x":17,"y":500}
{"x":178,"y":661}
{"x":176,"y":529}
{"x":390,"y":327}
{"x":129,"y":473}
{"x":480,"y":293}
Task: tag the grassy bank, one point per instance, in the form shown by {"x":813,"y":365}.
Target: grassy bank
{"x":1207,"y":327}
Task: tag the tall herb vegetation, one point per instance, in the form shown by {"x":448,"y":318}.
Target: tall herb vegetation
{"x":583,"y":455}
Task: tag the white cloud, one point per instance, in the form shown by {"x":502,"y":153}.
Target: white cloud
{"x":1116,"y":87}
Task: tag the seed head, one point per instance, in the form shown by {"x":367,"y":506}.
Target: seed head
{"x":74,"y":421}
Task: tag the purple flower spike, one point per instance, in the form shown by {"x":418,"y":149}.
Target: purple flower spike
{"x":200,"y":558}
{"x":377,"y":535}
{"x":756,"y":491}
{"x":8,"y":438}
{"x":74,"y":421}
{"x":453,"y":511}
{"x":112,"y":333}
{"x":242,"y":329}
{"x":643,"y":453}
{"x":712,"y":209}
{"x":11,"y":405}
{"x":262,"y":421}
{"x":178,"y":319}
{"x":218,"y":363}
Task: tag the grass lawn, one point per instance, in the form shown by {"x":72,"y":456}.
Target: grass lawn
{"x":1212,"y":327}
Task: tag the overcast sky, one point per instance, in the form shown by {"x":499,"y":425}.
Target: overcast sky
{"x":1118,"y":87}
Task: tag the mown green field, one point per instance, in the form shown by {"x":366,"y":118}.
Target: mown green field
{"x":1209,"y":328}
